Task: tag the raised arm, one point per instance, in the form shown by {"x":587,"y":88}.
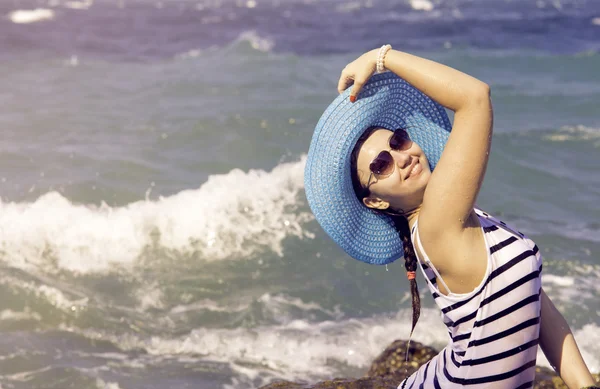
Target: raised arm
{"x":455,"y":183}
{"x":558,"y":344}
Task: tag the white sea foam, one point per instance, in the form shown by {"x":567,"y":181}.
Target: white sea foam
{"x":313,"y":351}
{"x":278,"y":308}
{"x":421,"y":5}
{"x":233,"y":215}
{"x":194,"y":53}
{"x":297,"y":349}
{"x":8,"y":314}
{"x":279,"y":305}
{"x":150,"y":296}
{"x":301,"y":349}
{"x":83,"y":4}
{"x":208,"y":305}
{"x":47,"y":293}
{"x":348,"y":7}
{"x":583,"y":286}
{"x":575,"y":133}
{"x":588,"y":339}
{"x":72,"y":61}
{"x":549,"y":279}
{"x":23,"y":16}
{"x":100,"y":384}
{"x":256,"y":41}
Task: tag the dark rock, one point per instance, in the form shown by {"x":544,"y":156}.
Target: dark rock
{"x":544,"y":378}
{"x":340,"y":383}
{"x":391,"y":367}
{"x":393,"y":361}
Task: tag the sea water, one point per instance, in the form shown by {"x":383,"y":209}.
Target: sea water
{"x":154,"y":231}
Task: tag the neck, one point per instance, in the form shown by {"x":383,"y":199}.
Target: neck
{"x":412,"y":216}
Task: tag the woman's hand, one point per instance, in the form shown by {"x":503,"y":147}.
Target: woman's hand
{"x":358,"y":72}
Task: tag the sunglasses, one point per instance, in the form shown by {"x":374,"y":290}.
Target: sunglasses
{"x":383,"y":164}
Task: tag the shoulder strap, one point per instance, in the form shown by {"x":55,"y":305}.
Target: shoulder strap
{"x":416,"y":239}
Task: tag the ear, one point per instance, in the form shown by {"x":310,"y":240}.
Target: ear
{"x":375,"y":203}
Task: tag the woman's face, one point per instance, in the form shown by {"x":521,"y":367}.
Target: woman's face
{"x":403,"y":189}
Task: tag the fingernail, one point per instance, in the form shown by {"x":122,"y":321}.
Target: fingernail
{"x":352,"y":99}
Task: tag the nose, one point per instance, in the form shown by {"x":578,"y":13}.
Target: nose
{"x":401,"y":158}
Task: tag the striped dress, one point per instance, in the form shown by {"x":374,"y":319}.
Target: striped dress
{"x":494,"y":330}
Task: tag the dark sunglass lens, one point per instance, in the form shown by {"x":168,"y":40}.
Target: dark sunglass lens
{"x":400,"y":140}
{"x":382,"y":164}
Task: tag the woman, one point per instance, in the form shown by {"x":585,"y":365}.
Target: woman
{"x":371,"y":183}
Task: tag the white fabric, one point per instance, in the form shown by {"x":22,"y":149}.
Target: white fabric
{"x":494,"y":330}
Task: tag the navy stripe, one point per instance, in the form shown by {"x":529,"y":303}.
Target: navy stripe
{"x":460,"y":353}
{"x":502,"y":244}
{"x":531,"y":276}
{"x":465,"y":318}
{"x":493,"y":378}
{"x":458,"y":338}
{"x":414,"y":381}
{"x":509,"y":310}
{"x":525,"y":385}
{"x":425,"y":375}
{"x":510,"y":331}
{"x":492,"y":275}
{"x":414,"y":377}
{"x":502,"y":355}
{"x":490,"y":228}
{"x":429,"y":273}
{"x":436,"y":383}
{"x":503,"y":376}
{"x":456,"y":363}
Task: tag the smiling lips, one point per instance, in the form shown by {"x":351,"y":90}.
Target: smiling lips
{"x":413,"y":169}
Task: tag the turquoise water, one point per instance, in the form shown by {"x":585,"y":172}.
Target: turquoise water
{"x":154,"y":231}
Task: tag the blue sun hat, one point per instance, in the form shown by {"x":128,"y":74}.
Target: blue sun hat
{"x":387,"y":101}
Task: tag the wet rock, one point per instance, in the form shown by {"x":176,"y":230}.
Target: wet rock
{"x":393,"y":361}
{"x":544,"y":378}
{"x":547,"y":379}
{"x":340,"y":383}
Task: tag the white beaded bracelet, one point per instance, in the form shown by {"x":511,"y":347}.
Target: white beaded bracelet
{"x":381,"y":57}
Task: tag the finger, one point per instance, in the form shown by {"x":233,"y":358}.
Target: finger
{"x":358,"y":84}
{"x":344,"y":82}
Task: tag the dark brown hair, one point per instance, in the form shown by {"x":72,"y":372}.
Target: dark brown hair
{"x":401,"y":224}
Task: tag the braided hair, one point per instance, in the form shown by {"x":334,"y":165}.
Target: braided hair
{"x":401,"y":225}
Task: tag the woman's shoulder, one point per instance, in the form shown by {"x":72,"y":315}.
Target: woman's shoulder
{"x":458,"y":254}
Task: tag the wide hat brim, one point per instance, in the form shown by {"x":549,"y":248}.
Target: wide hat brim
{"x":387,"y":101}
